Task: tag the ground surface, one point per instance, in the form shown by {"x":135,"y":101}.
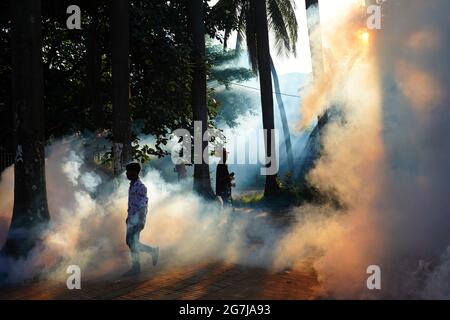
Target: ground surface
{"x":212,"y":280}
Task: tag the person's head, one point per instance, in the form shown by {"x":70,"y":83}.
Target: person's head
{"x":133,"y":170}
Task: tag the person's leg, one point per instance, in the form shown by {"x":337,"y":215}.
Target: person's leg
{"x":153,"y":251}
{"x":133,"y":243}
{"x":146,"y":248}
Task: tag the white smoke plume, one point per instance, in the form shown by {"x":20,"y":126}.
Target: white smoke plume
{"x":388,"y":161}
{"x":88,"y":222}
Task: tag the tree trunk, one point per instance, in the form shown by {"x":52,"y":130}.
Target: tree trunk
{"x":94,"y":100}
{"x":239,"y":39}
{"x":284,"y":121}
{"x":225,"y":40}
{"x":263,"y":54}
{"x":30,"y":212}
{"x":238,"y":46}
{"x":121,"y":79}
{"x":202,"y":181}
{"x":316,"y":48}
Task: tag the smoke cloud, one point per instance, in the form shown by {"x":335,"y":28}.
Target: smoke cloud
{"x":88,"y":215}
{"x":386,"y":159}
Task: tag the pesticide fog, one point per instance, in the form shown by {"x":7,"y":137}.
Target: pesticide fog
{"x":386,"y":159}
{"x":88,"y":222}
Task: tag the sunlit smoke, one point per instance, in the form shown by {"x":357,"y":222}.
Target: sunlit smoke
{"x":88,"y":222}
{"x":386,"y":161}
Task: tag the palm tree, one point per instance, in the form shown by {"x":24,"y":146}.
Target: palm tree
{"x":284,"y":121}
{"x":283,"y":22}
{"x":316,"y":50}
{"x":262,"y":48}
{"x":30,"y":210}
{"x":121,"y":78}
{"x":202,"y":180}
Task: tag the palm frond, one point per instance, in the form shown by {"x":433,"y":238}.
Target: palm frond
{"x":283,"y":23}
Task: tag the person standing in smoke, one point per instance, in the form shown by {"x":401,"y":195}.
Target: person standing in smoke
{"x":224,"y":180}
{"x":180,"y":161}
{"x":137,"y":213}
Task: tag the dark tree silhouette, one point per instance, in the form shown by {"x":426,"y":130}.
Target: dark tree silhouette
{"x":264,"y":68}
{"x":202,"y":180}
{"x":284,"y":121}
{"x":93,"y":52}
{"x":121,"y":77}
{"x":30,"y":211}
{"x":283,"y":24}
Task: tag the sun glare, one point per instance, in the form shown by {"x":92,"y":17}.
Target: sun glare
{"x":364,"y":36}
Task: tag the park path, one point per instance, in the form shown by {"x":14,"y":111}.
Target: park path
{"x":203,"y":281}
{"x":208,"y":280}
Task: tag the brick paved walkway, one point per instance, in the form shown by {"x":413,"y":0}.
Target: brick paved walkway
{"x":213,"y":280}
{"x":206,"y":281}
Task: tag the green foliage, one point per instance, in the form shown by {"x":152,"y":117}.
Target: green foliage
{"x":251,"y":198}
{"x":233,"y":105}
{"x":160,"y":68}
{"x":227,"y":75}
{"x":290,"y":190}
{"x":229,"y":104}
{"x":222,"y":69}
{"x":239,"y":15}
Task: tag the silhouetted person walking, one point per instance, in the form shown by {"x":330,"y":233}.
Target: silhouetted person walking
{"x":137,"y":213}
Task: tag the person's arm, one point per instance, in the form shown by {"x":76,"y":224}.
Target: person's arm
{"x":143,"y":201}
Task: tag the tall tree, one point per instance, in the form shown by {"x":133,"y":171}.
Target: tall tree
{"x":121,"y":78}
{"x":315,"y":44}
{"x":30,"y":210}
{"x":283,"y":22}
{"x":93,"y":69}
{"x":265,"y":80}
{"x":202,"y":180}
{"x":284,"y":121}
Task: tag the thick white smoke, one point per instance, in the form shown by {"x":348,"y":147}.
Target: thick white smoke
{"x":388,"y":161}
{"x":88,"y":222}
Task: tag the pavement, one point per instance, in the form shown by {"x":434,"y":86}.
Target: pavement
{"x":204,"y":281}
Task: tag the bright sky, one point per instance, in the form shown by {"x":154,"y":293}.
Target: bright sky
{"x":302,"y":62}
